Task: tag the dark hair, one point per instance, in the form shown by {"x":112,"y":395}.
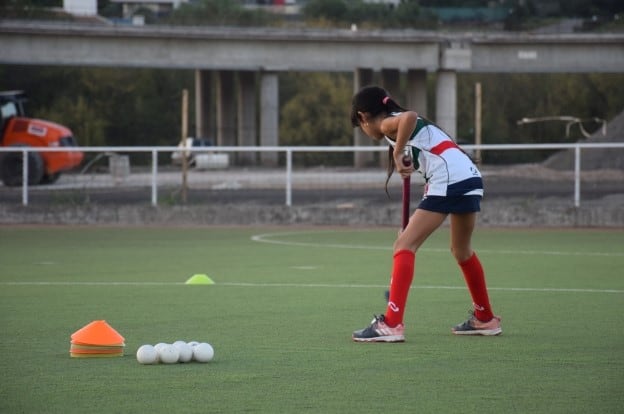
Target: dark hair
{"x":373,"y":100}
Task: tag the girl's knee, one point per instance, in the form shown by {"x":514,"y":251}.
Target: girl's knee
{"x":461,"y":255}
{"x":403,"y":246}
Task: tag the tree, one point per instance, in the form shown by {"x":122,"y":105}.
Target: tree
{"x":217,"y":12}
{"x":88,"y":127}
{"x":317,"y":113}
{"x":407,"y":14}
{"x":332,"y":10}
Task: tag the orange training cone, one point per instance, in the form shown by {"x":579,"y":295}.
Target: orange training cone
{"x":97,"y":333}
{"x":97,"y":339}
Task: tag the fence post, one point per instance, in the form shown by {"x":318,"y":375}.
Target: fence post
{"x":577,"y":176}
{"x":24,"y":177}
{"x":154,"y":178}
{"x":289,"y":177}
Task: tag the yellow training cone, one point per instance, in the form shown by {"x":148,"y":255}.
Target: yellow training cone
{"x":199,"y":279}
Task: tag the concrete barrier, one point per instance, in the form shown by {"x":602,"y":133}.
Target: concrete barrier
{"x":512,"y":212}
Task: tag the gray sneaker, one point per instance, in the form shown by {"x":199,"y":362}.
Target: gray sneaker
{"x":378,"y":331}
{"x":473,"y":326}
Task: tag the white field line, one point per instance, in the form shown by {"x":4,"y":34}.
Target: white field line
{"x":301,"y":285}
{"x":268,"y":238}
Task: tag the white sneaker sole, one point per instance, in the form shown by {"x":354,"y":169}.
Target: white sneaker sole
{"x":387,"y":338}
{"x":482,"y":332}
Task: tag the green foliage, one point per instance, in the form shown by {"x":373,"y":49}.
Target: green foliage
{"x":317,"y":113}
{"x":454,"y":3}
{"x":588,"y":8}
{"x":30,"y":4}
{"x":108,"y":9}
{"x":218,"y":12}
{"x":407,"y":14}
{"x":88,"y":127}
{"x":31,"y":9}
{"x":334,"y":10}
{"x":337,"y":12}
{"x":571,"y":8}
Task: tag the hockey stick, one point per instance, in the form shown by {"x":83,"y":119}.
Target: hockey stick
{"x":407,"y":162}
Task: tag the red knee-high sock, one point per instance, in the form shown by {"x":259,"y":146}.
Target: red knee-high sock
{"x":402,"y":276}
{"x":475,"y":279}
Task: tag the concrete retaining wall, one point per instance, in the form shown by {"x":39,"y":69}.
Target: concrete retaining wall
{"x":607,"y":212}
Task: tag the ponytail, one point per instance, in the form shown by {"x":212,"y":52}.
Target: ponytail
{"x":374,"y":101}
{"x":391,"y":105}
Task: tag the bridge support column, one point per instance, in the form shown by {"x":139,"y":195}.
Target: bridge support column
{"x":226,"y":109}
{"x":246,"y":115}
{"x":204,"y":121}
{"x":269,"y":116}
{"x":362,"y":77}
{"x":446,"y":101}
{"x":391,"y":81}
{"x":417,"y":91}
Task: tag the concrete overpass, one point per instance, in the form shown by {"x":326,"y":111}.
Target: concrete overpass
{"x":241,"y":59}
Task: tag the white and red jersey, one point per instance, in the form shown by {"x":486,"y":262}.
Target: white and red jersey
{"x":448,"y":171}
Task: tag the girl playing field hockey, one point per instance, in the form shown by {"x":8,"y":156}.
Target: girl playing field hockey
{"x":453,"y":188}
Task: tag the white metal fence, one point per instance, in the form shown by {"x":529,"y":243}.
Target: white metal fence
{"x":284,"y":174}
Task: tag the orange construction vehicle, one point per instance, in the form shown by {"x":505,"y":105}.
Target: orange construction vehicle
{"x":16,"y":130}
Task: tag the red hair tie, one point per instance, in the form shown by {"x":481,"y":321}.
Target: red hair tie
{"x":385,"y":100}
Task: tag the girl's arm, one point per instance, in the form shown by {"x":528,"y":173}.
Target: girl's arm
{"x":400,"y":128}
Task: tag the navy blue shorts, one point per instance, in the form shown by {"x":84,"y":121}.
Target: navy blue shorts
{"x":451,"y":204}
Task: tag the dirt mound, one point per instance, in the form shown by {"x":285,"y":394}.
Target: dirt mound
{"x":595,"y":159}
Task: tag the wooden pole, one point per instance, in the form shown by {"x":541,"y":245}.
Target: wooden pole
{"x":478,"y":121}
{"x":183,"y":142}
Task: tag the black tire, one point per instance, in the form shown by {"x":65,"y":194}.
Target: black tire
{"x":50,"y":178}
{"x":11,"y":165}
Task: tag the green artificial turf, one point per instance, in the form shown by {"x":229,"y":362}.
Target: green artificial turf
{"x":281,"y":313}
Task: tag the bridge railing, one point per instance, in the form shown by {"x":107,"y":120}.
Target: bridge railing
{"x":284,"y":174}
